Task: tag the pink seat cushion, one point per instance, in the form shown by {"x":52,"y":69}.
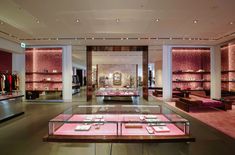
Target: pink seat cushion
{"x":208,"y":102}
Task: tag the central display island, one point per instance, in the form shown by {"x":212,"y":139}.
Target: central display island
{"x":118,"y":94}
{"x":118,"y":124}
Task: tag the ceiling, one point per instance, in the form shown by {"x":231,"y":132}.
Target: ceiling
{"x":117,"y":22}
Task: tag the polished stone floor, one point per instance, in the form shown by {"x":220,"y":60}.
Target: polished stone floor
{"x":23,"y":136}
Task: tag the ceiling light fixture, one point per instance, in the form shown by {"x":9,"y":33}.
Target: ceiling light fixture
{"x":195,"y":21}
{"x":37,"y":21}
{"x":77,"y":20}
{"x":117,"y":20}
{"x":93,"y":38}
{"x":121,"y":38}
{"x":157,"y":20}
{"x":127,"y":38}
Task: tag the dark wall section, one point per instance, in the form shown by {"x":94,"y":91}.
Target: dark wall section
{"x":5,"y":61}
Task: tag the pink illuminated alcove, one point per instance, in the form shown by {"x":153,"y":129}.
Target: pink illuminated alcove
{"x":228,"y":68}
{"x":191,"y":68}
{"x":43,"y":69}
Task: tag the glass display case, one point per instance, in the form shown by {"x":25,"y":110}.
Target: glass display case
{"x":118,"y":94}
{"x":117,"y":124}
{"x":10,"y":105}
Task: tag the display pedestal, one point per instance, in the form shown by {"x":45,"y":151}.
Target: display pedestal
{"x":10,"y":107}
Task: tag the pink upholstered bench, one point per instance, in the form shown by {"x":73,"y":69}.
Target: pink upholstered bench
{"x":198,"y":102}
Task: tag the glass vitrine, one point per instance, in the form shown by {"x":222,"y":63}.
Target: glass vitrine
{"x":119,"y":123}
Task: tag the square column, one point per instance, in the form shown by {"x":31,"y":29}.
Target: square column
{"x":18,"y":66}
{"x":215,"y":72}
{"x":67,"y":73}
{"x":167,"y":73}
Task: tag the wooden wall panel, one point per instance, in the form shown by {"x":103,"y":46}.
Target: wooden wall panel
{"x":89,"y":73}
{"x":145,"y":72}
{"x":91,"y":49}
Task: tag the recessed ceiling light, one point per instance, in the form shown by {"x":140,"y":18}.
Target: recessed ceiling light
{"x":231,"y":23}
{"x":127,"y":38}
{"x":195,"y":21}
{"x":117,"y":20}
{"x":37,"y":21}
{"x":77,"y":20}
{"x":157,"y":20}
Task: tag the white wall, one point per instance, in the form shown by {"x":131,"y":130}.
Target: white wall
{"x":10,"y":46}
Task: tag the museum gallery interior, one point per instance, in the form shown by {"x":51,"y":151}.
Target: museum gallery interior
{"x":117,"y":77}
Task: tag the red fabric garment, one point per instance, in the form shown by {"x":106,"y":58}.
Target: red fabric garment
{"x":10,"y":81}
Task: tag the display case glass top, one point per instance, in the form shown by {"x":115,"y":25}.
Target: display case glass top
{"x":118,"y":123}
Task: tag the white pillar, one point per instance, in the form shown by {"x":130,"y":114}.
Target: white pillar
{"x":215,"y":72}
{"x":18,"y":65}
{"x":67,"y":73}
{"x":167,"y":72}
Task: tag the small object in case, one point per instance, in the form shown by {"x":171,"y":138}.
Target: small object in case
{"x":82,"y":128}
{"x":141,"y":117}
{"x":89,"y":117}
{"x":150,"y":130}
{"x":132,"y":125}
{"x":150,"y":116}
{"x":99,"y":116}
{"x":150,"y":120}
{"x":97,"y":126}
{"x":161,"y":129}
{"x":161,"y":124}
